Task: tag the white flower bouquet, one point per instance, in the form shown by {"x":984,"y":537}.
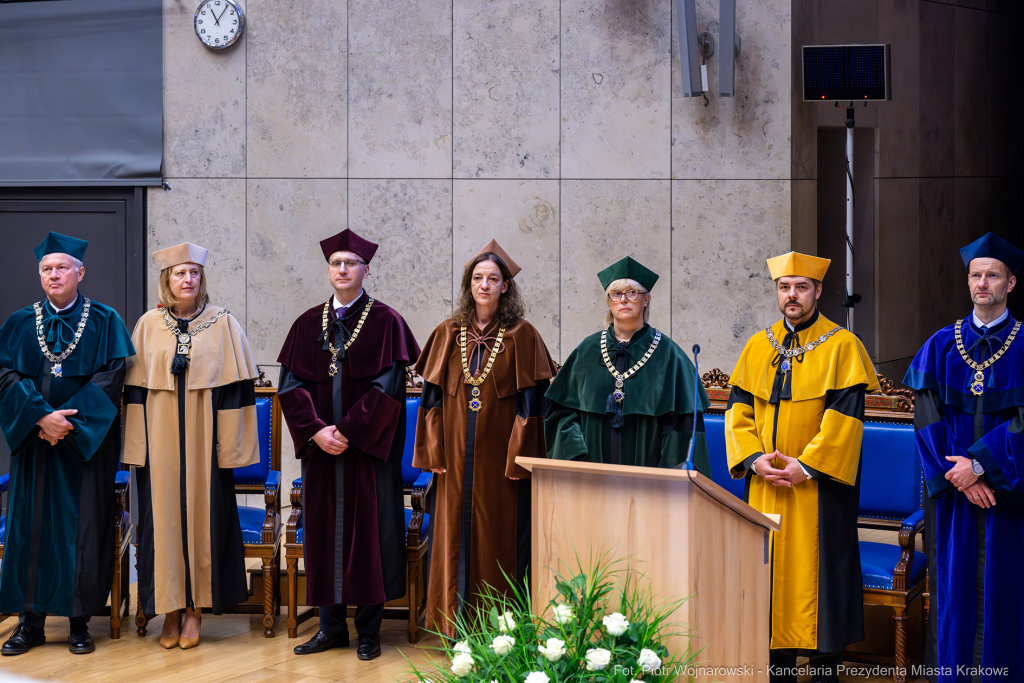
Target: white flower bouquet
{"x":603,"y":627}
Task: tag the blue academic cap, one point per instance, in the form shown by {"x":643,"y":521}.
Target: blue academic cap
{"x":56,"y":243}
{"x":991,"y":246}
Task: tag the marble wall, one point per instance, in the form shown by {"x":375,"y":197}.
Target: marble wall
{"x":556,"y":126}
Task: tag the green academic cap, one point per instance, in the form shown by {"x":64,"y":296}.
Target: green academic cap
{"x":56,"y":243}
{"x":631,"y":269}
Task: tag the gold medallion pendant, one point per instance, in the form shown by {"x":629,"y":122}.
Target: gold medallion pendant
{"x":978,"y":383}
{"x":334,"y":352}
{"x":58,"y":361}
{"x":620,"y":378}
{"x":475,"y":404}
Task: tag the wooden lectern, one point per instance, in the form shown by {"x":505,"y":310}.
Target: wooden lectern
{"x":689,"y":536}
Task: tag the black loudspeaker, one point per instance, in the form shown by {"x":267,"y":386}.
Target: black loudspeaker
{"x":846,"y":72}
{"x":689,"y":63}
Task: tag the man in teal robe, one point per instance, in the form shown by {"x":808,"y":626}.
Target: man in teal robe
{"x":651,"y":420}
{"x":62,"y":365}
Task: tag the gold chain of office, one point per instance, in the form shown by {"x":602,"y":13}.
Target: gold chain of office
{"x":184,"y":339}
{"x":620,"y":377}
{"x":351,"y":340}
{"x":475,"y":404}
{"x":57,"y":361}
{"x":978,"y":385}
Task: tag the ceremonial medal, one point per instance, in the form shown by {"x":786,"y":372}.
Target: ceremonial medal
{"x":184,"y":339}
{"x":620,"y":378}
{"x":977,"y":386}
{"x":333,"y":370}
{"x":58,"y":370}
{"x":786,"y":365}
{"x":475,"y":404}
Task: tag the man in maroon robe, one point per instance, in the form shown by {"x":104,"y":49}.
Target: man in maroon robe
{"x":342,"y":391}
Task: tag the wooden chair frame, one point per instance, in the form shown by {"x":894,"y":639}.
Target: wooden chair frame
{"x":120,"y":601}
{"x":893,"y":405}
{"x":268,"y":550}
{"x":415,"y":552}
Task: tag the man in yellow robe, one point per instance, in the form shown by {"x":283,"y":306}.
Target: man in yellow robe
{"x":793,"y":428}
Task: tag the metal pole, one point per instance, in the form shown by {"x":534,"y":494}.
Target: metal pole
{"x":849,"y":217}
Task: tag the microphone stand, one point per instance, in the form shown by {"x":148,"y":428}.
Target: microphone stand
{"x":688,"y":463}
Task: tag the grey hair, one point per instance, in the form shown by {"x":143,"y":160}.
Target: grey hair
{"x":619,"y":285}
{"x":78,"y":264}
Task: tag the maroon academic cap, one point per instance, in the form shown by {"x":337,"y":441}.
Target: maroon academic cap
{"x":346,"y":240}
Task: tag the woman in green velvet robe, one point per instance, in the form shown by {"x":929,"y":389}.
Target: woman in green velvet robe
{"x":647,"y":418}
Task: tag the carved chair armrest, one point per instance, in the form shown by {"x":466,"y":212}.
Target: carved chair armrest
{"x":272,"y":498}
{"x":297,"y":494}
{"x":908,"y":536}
{"x":420,"y":489}
{"x":294,"y":522}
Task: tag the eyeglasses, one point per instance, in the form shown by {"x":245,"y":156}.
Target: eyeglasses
{"x":348,"y":263}
{"x":628,"y":295}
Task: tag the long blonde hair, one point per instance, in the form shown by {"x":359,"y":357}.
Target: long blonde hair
{"x":620,"y":285}
{"x":167,"y":299}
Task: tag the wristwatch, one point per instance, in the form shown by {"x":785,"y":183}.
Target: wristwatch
{"x":977,"y":468}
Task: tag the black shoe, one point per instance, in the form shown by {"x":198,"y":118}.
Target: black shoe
{"x":24,"y":638}
{"x":322,"y":641}
{"x":368,"y":648}
{"x":80,"y":642}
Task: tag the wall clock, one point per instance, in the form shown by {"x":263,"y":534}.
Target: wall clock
{"x":219,"y":23}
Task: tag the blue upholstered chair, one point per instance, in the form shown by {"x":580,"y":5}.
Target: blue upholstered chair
{"x":261,"y":525}
{"x":119,"y":598}
{"x":891,"y":494}
{"x":417,"y":483}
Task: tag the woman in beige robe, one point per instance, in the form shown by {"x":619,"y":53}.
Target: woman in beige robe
{"x":190,"y":416}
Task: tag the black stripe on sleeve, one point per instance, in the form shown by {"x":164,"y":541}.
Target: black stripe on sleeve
{"x":848,"y":401}
{"x":431,"y":397}
{"x":927,"y":408}
{"x":530,"y":402}
{"x":738,"y":395}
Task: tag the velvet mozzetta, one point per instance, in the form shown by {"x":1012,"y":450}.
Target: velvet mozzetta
{"x":184,"y":435}
{"x":816,"y":582}
{"x":353,"y":518}
{"x":978,"y":602}
{"x":59,"y":548}
{"x":481,"y":519}
{"x":657,"y":408}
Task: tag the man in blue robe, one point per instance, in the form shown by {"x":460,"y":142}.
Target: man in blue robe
{"x":969,"y":416}
{"x":62,"y":365}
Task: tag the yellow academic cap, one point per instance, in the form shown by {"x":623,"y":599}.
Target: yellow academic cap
{"x":800,"y":265}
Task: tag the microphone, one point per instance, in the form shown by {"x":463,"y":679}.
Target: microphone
{"x":688,"y":465}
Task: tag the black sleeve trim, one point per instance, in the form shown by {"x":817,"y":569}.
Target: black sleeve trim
{"x":287,"y":381}
{"x":392,"y":381}
{"x":927,"y":408}
{"x":738,"y":395}
{"x":682,"y":423}
{"x":135,"y":395}
{"x":110,"y":378}
{"x":530,"y":402}
{"x":234,"y":396}
{"x":9,"y":378}
{"x":848,"y":401}
{"x":748,"y":462}
{"x":431,"y":397}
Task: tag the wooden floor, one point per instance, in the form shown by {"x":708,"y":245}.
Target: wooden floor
{"x":232,"y":650}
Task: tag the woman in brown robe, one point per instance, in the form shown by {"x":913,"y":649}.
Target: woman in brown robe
{"x":190,"y":416}
{"x":484,"y":373}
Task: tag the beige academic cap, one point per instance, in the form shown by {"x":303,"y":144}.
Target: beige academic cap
{"x":180,"y":253}
{"x":495,"y":248}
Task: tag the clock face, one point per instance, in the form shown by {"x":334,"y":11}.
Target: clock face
{"x":219,"y":23}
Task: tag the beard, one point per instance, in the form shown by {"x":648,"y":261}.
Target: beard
{"x":794,"y":314}
{"x":996,"y":298}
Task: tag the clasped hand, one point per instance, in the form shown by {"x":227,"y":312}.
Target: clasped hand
{"x":54,"y":426}
{"x":788,"y":476}
{"x":970,"y":484}
{"x":330,"y":440}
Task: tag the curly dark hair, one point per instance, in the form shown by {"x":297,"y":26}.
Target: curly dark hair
{"x":510,"y":303}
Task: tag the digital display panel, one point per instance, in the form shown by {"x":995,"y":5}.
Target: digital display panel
{"x":846,"y":72}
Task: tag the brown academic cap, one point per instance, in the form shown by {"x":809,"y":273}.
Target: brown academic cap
{"x":180,"y":253}
{"x":346,"y":240}
{"x":493,"y":247}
